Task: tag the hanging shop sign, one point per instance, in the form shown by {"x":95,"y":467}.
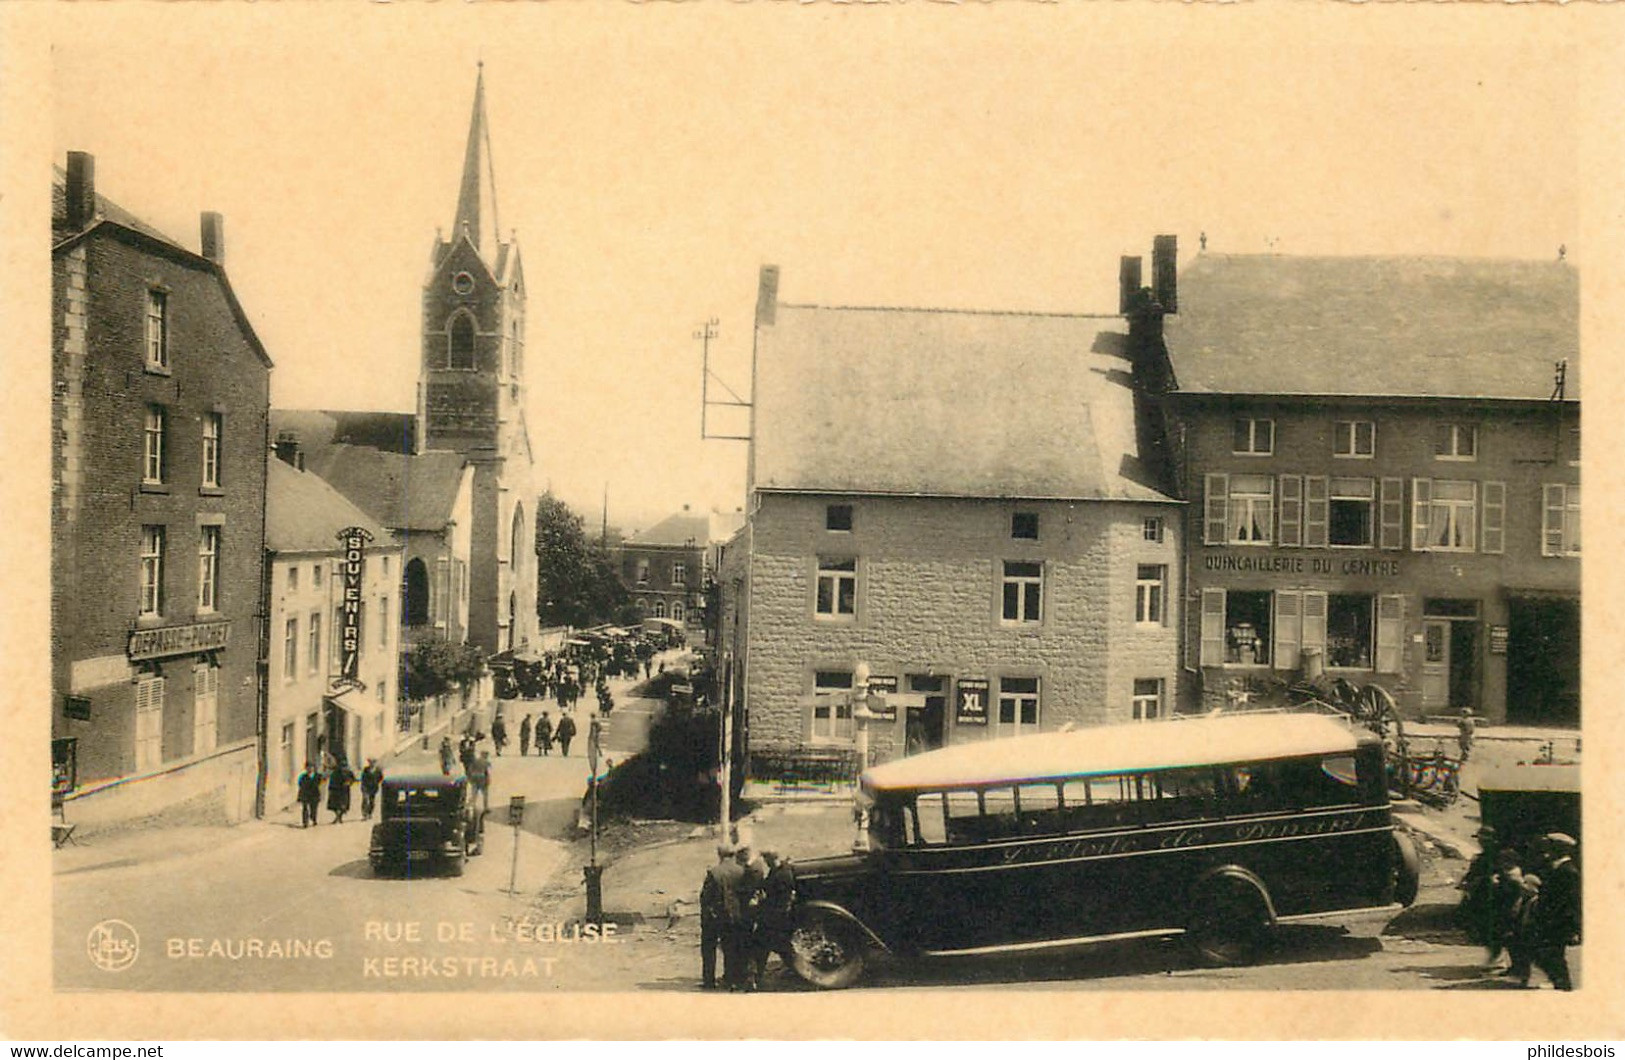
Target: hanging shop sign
{"x":881,"y":705}
{"x":970,"y":701}
{"x":354,"y":542}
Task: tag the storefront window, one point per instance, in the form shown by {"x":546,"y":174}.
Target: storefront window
{"x":1348,"y":631}
{"x":1247,"y":628}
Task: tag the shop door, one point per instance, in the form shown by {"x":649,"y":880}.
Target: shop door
{"x":1435,"y":665}
{"x":1543,"y":661}
{"x":926,"y":727}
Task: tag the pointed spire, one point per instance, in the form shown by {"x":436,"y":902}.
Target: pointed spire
{"x":477,"y":179}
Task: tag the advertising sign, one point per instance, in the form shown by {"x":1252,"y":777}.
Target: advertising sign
{"x":177,"y":640}
{"x":882,"y":692}
{"x":970,"y":701}
{"x":1498,"y":640}
{"x":354,"y":539}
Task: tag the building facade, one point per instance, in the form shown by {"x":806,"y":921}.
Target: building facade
{"x":321,"y":704}
{"x":668,"y":568}
{"x":973,"y":518}
{"x":159,"y":397}
{"x":1382,"y":460}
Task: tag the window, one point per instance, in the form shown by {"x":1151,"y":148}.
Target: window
{"x":1560,"y":520}
{"x":1235,"y":628}
{"x":315,"y":575}
{"x":1253,"y":437}
{"x":153,"y":434}
{"x":158,"y":330}
{"x":461,"y":352}
{"x":1348,"y":630}
{"x":1239,"y":509}
{"x":205,"y":708}
{"x":1149,"y":582}
{"x":288,"y":771}
{"x":1023,"y":592}
{"x":152,"y":571}
{"x":384,"y":560}
{"x":1147,"y":698}
{"x":643,"y":572}
{"x":679,"y":574}
{"x":832,"y":705}
{"x":1018,"y":705}
{"x":290,"y":649}
{"x":1455,"y":441}
{"x":1353,"y":501}
{"x":416,"y":597}
{"x":293,"y":578}
{"x":1354,"y":438}
{"x":213,"y":425}
{"x":208,"y":568}
{"x":1024,"y":525}
{"x":313,"y":636}
{"x":383,"y":621}
{"x":838,"y":517}
{"x":837,"y":589}
{"x":677,"y":610}
{"x":660,"y":609}
{"x":1443,"y":515}
{"x":1151,"y":529}
{"x":149,"y":723}
{"x":335,"y":638}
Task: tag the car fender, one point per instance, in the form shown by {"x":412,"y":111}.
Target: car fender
{"x":843,"y":914}
{"x":1237,"y":872}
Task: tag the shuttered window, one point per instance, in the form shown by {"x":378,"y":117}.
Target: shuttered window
{"x":1315,"y":511}
{"x":1216,"y":513}
{"x":1291,"y":531}
{"x":1421,"y":509}
{"x":205,"y":707}
{"x":1393,"y":513}
{"x":1314,"y":621}
{"x":1288,"y":628}
{"x":149,"y":723}
{"x":1212,"y":627}
{"x":1493,"y":538}
{"x":1390,"y":633}
{"x":1560,"y":520}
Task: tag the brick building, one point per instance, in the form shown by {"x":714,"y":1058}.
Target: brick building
{"x":1382,"y":461}
{"x":313,"y":707}
{"x":158,"y":403}
{"x":961,"y":501}
{"x":667,"y":567}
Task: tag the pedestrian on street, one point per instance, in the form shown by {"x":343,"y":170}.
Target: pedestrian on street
{"x":1555,"y":923}
{"x":1506,"y":898}
{"x":566,"y":733}
{"x":310,"y":795}
{"x":647,"y":670}
{"x":775,"y":917}
{"x":372,"y":777}
{"x":338,"y":789}
{"x":524,"y":736}
{"x":465,"y":752}
{"x":445,"y":755}
{"x":544,"y":734}
{"x":479,"y":775}
{"x":499,"y":734}
{"x":741,"y":905}
{"x":719,"y":881}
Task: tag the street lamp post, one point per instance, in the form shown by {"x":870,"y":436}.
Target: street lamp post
{"x":860,"y":745}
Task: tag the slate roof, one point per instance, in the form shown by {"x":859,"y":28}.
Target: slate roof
{"x":305,"y":514}
{"x":1374,"y":326}
{"x":402,"y":492}
{"x":947,"y":403}
{"x":314,"y":428}
{"x":106,"y":210}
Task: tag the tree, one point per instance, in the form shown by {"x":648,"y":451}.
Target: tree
{"x":576,"y":584}
{"x":435,"y":665}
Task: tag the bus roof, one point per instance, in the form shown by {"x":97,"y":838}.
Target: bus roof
{"x":1117,"y":749}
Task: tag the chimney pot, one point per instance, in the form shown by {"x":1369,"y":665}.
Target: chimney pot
{"x":213,"y":239}
{"x":767,"y":295}
{"x":1165,"y":272}
{"x":1128,"y":284}
{"x":81,"y":189}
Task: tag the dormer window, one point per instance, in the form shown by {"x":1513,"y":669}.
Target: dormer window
{"x":460,"y":353}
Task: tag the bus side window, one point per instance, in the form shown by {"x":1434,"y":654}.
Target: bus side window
{"x":1041,"y":809}
{"x":930,"y":827}
{"x":999,"y":818}
{"x":1100,"y":802}
{"x":964,"y":812}
{"x":1181,"y":794}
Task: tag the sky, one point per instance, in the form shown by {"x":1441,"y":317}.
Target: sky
{"x":651,"y":158}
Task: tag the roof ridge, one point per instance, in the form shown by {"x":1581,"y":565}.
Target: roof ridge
{"x":948,"y":310}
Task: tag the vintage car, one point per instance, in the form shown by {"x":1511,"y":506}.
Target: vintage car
{"x":426,"y":820}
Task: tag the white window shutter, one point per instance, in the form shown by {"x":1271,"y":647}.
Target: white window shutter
{"x":1315,"y":511}
{"x":1390,"y":632}
{"x":1493,"y":539}
{"x":1291,"y":530}
{"x":1288,"y":626}
{"x":1421,"y":508}
{"x":1212,"y":627}
{"x":1392,"y":514}
{"x":1314,"y":620}
{"x":1217,"y":510}
{"x":1551,"y":519}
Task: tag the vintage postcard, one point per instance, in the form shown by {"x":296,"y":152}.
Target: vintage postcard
{"x":811,"y":520}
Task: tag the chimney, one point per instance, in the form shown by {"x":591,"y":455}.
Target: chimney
{"x":287,"y":450}
{"x":1128,"y":284}
{"x":81,"y":189}
{"x":1165,"y":272}
{"x":767,"y":295}
{"x":214,"y":237}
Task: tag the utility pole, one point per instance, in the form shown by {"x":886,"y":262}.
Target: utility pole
{"x":603,"y":530}
{"x":704,"y":335}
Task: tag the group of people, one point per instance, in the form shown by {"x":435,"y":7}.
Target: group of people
{"x":339,"y":778}
{"x":544,"y":735}
{"x":1525,"y":906}
{"x":746,"y":907}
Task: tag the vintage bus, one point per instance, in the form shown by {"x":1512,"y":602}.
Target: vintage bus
{"x":1216,"y":827}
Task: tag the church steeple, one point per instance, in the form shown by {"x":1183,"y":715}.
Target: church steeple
{"x":476,"y":198}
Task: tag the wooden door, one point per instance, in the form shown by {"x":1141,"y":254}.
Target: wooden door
{"x":1435,"y":665}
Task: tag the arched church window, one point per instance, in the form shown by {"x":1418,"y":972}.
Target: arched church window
{"x":462,"y":342}
{"x":513,"y":616}
{"x":516,"y":540}
{"x":416,"y":595}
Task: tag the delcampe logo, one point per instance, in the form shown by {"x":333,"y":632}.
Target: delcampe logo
{"x":113,"y":945}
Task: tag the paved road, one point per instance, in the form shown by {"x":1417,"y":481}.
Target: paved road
{"x":272,"y":906}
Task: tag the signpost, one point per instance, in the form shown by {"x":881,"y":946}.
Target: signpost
{"x":594,"y":875}
{"x":516,"y":817}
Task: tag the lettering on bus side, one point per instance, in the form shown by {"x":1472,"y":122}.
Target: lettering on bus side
{"x":1186,"y":838}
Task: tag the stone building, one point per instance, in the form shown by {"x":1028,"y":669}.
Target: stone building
{"x":318,"y":702}
{"x":668,"y":567}
{"x":158,"y":410}
{"x":1382,"y":461}
{"x":965,"y":503}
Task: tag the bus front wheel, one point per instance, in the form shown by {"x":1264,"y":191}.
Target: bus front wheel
{"x":1229,"y":922}
{"x":827,"y":952}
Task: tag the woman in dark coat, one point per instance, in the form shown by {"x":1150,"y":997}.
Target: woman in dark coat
{"x":544,"y":733}
{"x":338,"y":790}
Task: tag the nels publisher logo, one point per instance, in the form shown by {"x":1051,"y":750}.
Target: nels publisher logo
{"x":113,"y":945}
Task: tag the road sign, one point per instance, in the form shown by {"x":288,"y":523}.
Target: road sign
{"x":516,"y":810}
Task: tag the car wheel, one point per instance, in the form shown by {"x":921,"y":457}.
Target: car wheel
{"x":1229,"y":922}
{"x":458,"y":863}
{"x":827,"y":952}
{"x":1405,"y":871}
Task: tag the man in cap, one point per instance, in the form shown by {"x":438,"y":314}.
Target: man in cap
{"x":720,"y":880}
{"x":774,"y":923}
{"x":1555,"y":920}
{"x":742,"y":903}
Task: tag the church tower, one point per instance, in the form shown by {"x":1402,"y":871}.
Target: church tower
{"x":471,"y":395}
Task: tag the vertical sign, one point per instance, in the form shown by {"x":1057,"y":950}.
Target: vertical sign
{"x":354,"y":540}
{"x":880,"y":699}
{"x":970,"y":701}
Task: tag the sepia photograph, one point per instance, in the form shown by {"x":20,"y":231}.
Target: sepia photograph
{"x":1062,"y":510}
